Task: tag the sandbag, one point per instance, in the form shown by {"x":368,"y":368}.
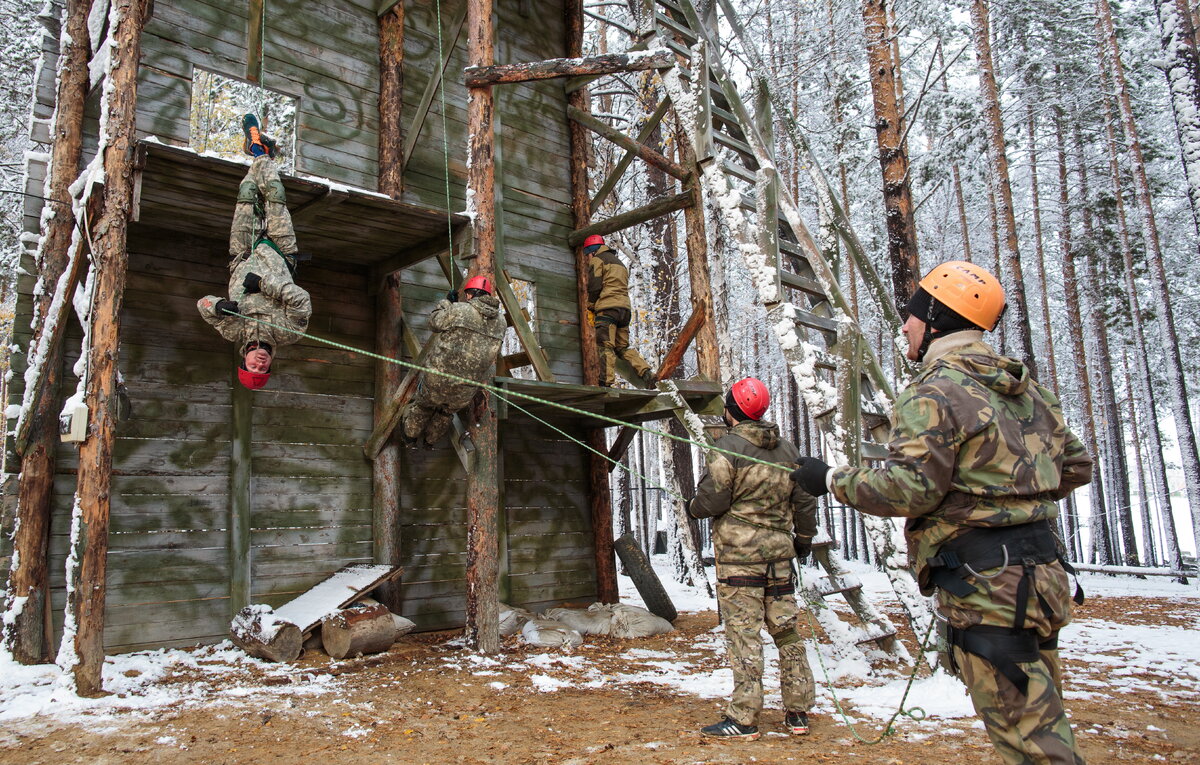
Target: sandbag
{"x":512,"y":619}
{"x":631,"y":621}
{"x":547,"y":633}
{"x":403,"y":626}
{"x":584,"y":621}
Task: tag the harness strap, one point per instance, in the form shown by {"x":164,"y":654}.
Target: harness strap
{"x":1002,"y":648}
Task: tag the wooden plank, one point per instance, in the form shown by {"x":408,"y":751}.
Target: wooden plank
{"x":431,"y":88}
{"x":590,"y":66}
{"x":643,"y":151}
{"x":654,"y":209}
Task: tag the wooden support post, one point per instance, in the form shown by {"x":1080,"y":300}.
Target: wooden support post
{"x":240,"y":461}
{"x":254,"y":42}
{"x":595,"y":66}
{"x":643,"y":151}
{"x":669,"y":364}
{"x":708,"y":357}
{"x":385,"y":471}
{"x":391,"y":105}
{"x":87,"y":598}
{"x":622,"y":165}
{"x":25,"y":636}
{"x":483,"y":608}
{"x":600,"y":493}
{"x":654,"y":209}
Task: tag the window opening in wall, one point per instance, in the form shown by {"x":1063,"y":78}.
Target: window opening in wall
{"x":526,"y":293}
{"x":218,"y":104}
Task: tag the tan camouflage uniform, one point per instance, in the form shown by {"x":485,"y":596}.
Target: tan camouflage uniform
{"x":280,"y":301}
{"x":757,"y":511}
{"x":466,"y":338}
{"x":608,"y":299}
{"x":977,"y":443}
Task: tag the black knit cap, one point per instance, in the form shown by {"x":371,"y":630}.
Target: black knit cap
{"x":936,"y":314}
{"x":733,"y":408}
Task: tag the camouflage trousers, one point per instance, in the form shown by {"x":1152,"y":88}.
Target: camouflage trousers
{"x":612,"y":342}
{"x":1025,"y":729}
{"x":430,"y":421}
{"x":744,"y":612}
{"x":261,"y":194}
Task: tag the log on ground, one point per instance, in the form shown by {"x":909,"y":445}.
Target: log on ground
{"x":354,"y":631}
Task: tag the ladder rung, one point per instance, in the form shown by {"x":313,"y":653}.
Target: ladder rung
{"x":683,"y":31}
{"x":875,"y":635}
{"x":813,"y":321}
{"x":737,"y":145}
{"x":671,"y":6}
{"x":723,"y":115}
{"x":827,"y":586}
{"x":873,"y":451}
{"x":802,"y":283}
{"x":739,"y":171}
{"x":682,"y":50}
{"x":790,"y":247}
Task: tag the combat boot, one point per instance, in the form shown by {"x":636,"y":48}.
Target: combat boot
{"x":256,"y":144}
{"x":727,"y":728}
{"x":796,"y":723}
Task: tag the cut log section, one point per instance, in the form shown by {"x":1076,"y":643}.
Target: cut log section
{"x":260,"y":632}
{"x":355,"y":631}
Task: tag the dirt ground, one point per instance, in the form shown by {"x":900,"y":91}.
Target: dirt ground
{"x":427,"y":702}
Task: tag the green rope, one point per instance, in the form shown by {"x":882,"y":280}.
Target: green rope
{"x":914,"y":713}
{"x":440,"y":74}
{"x":504,"y":393}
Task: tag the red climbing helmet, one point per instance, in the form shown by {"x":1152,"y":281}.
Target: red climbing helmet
{"x":480,"y":282}
{"x":751,"y":396}
{"x":593,"y":239}
{"x":252,"y":380}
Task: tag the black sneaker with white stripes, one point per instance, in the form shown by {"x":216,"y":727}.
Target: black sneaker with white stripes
{"x":796,"y":723}
{"x":729,"y":729}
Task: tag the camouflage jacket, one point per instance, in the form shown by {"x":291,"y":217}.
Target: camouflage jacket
{"x":466,"y":339}
{"x":975,"y":443}
{"x":757,"y":509}
{"x":608,"y":281}
{"x":280,"y":301}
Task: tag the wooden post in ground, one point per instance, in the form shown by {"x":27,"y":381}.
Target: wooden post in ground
{"x":385,"y":471}
{"x":483,"y":610}
{"x":599,"y":491}
{"x":708,"y":355}
{"x":109,"y":259}
{"x":391,"y":107}
{"x":25,"y":635}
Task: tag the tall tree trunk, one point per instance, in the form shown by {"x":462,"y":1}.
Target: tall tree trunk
{"x":1075,"y":328}
{"x":84,"y":656}
{"x":28,"y":589}
{"x":1039,"y":248}
{"x":391,"y":104}
{"x":1183,"y":79}
{"x":1144,"y":493}
{"x":1176,"y":381}
{"x":893,"y":153}
{"x":998,"y":173}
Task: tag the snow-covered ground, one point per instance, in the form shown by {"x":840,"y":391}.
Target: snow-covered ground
{"x":1120,"y":656}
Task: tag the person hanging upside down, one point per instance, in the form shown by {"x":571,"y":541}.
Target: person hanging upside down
{"x":466,"y":338}
{"x":261,"y":269}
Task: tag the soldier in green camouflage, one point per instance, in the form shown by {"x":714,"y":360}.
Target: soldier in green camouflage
{"x":761,"y":521}
{"x":979,"y":455}
{"x":467,"y":336}
{"x":260,"y":271}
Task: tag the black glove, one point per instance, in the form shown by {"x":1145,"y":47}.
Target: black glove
{"x":803,"y":546}
{"x":810,"y":475}
{"x":452,"y":296}
{"x":252,"y":283}
{"x":226,"y":307}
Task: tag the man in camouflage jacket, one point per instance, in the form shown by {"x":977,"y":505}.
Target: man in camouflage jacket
{"x":608,"y":300}
{"x":260,"y":278}
{"x":978,"y":456}
{"x":761,"y":521}
{"x":466,"y":338}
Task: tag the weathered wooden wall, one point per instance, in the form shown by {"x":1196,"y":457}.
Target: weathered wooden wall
{"x":169,"y":564}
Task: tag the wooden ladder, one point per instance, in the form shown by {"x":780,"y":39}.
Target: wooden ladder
{"x":826,"y":350}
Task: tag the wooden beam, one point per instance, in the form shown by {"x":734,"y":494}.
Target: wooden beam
{"x":483,"y":600}
{"x":594,"y":66}
{"x":385,"y":470}
{"x":600,"y":498}
{"x":87,"y":583}
{"x":434,"y":246}
{"x":391,"y":103}
{"x":431,"y":89}
{"x":25,"y":635}
{"x":622,"y":165}
{"x":669,"y":364}
{"x":254,"y":41}
{"x":660,"y":206}
{"x":331,"y":198}
{"x":240,"y":501}
{"x":389,"y":418}
{"x":643,"y":151}
{"x":578,"y":83}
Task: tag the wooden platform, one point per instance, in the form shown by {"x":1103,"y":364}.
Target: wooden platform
{"x":630,"y":405}
{"x":184,"y":191}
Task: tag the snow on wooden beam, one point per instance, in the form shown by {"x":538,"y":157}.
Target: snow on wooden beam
{"x":660,"y":206}
{"x":608,"y":63}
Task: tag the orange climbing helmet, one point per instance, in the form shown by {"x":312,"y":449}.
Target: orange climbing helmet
{"x":252,"y":380}
{"x":480,"y":282}
{"x":968,"y":290}
{"x":751,"y":397}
